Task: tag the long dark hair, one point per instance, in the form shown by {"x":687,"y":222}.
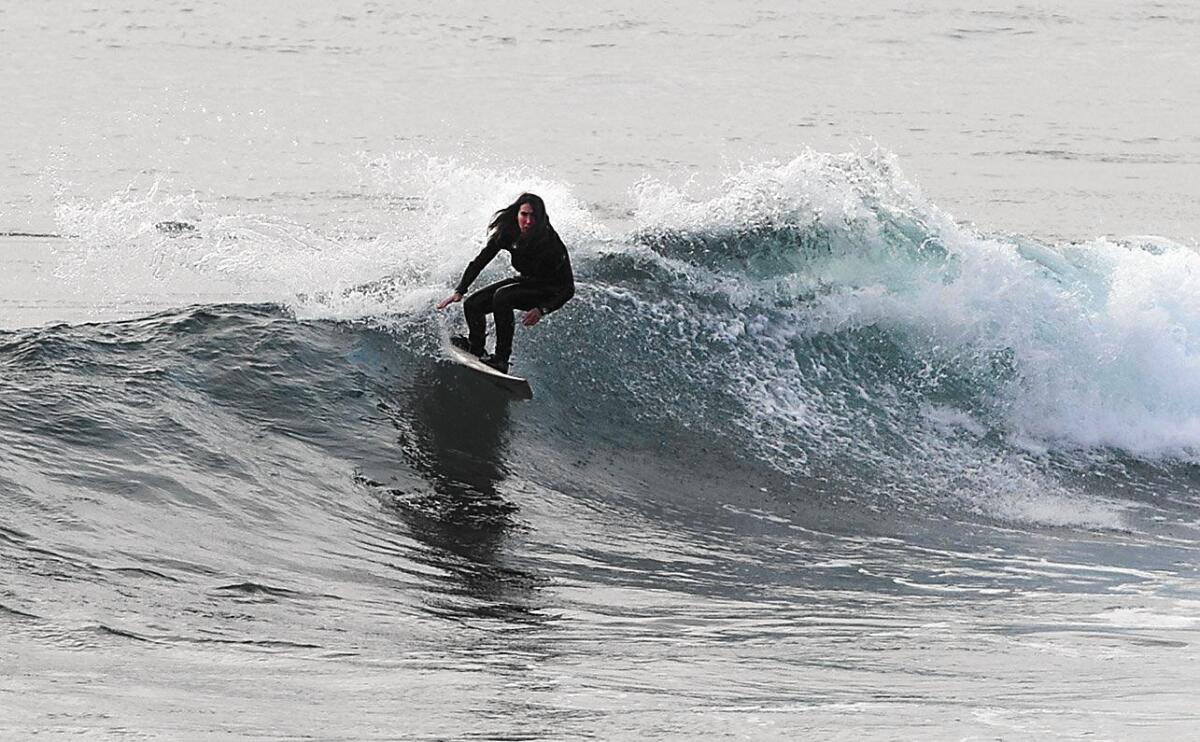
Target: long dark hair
{"x":504,"y":222}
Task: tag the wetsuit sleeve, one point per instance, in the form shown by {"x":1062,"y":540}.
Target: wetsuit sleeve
{"x":565,"y":287}
{"x":476,"y":266}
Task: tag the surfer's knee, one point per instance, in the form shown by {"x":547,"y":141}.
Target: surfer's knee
{"x":474,"y":304}
{"x":502,"y":300}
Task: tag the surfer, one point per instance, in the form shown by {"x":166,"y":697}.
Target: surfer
{"x":544,"y":282}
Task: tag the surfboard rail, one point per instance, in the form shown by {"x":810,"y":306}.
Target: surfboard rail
{"x":515,"y":385}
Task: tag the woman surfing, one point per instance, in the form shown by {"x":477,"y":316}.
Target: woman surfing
{"x":544,"y":280}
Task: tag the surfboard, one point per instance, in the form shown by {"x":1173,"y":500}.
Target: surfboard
{"x":513,"y":384}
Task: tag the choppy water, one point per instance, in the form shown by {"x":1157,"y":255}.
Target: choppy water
{"x":808,"y":455}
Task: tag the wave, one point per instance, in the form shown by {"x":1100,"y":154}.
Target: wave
{"x":818,"y":316}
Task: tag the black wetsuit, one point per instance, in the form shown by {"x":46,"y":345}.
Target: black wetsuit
{"x":545,"y":281}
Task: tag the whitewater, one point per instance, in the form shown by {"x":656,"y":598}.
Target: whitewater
{"x":876,"y":415}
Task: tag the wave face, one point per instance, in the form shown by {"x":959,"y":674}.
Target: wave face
{"x":817,"y":318}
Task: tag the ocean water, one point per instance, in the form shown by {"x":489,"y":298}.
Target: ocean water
{"x":876,"y":414}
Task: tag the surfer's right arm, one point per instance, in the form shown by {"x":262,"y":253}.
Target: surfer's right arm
{"x":474,"y":268}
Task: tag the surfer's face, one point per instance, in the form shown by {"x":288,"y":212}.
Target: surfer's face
{"x":525,"y":217}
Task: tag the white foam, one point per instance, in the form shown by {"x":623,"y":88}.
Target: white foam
{"x":950,"y":420}
{"x":1102,"y":337}
{"x":117,"y":252}
{"x":1145,"y":618}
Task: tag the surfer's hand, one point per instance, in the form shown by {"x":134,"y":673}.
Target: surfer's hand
{"x":449,"y":300}
{"x":532,"y":317}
